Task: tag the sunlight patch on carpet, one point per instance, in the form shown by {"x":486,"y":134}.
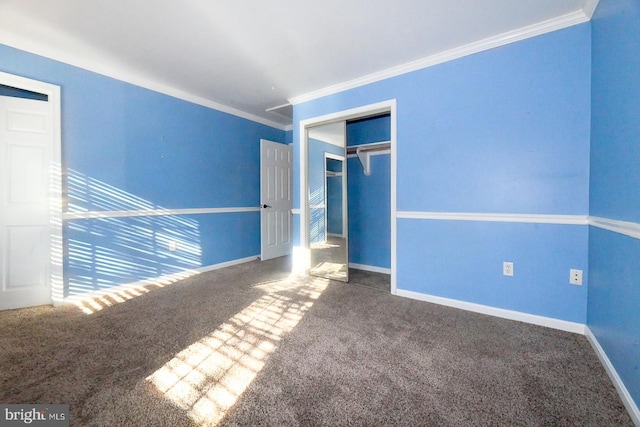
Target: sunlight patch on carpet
{"x":207,"y":378}
{"x":98,"y":300}
{"x":331,"y":270}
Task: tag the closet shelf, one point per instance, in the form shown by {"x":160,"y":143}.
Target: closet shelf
{"x":365,"y":151}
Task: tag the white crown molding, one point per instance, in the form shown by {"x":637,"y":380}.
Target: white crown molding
{"x":631,"y":229}
{"x":106,"y":68}
{"x":540,"y":28}
{"x":496,"y":217}
{"x":590,"y":8}
{"x":626,"y":398}
{"x":152,"y":212}
{"x":533,"y":319}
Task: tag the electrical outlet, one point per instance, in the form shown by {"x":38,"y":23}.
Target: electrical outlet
{"x":575,"y":277}
{"x":173,"y":245}
{"x":507,"y":268}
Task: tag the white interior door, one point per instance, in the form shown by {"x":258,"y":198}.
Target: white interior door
{"x":276,"y":202}
{"x":26,"y":141}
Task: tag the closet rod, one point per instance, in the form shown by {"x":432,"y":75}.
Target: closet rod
{"x":363,"y":148}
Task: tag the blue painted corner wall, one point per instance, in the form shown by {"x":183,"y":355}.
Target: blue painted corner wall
{"x":614,"y":284}
{"x":126,"y":148}
{"x":546,"y":126}
{"x":491,"y":133}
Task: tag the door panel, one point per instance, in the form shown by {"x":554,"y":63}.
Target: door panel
{"x":26,"y":248}
{"x":276,"y":202}
{"x":27,"y":121}
{"x":25,"y":155}
{"x":27,"y":181}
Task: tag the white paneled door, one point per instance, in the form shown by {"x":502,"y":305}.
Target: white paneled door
{"x":25,"y":157}
{"x":276,"y":202}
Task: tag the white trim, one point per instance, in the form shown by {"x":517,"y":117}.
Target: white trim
{"x":388,"y":106}
{"x":128,"y":76}
{"x":631,"y":229}
{"x":590,"y":8}
{"x":162,"y":280}
{"x":371,"y":268}
{"x":548,"y":322}
{"x":540,"y":28}
{"x":56,"y":278}
{"x":295,"y":211}
{"x":497,"y":217}
{"x":394,"y":207}
{"x":152,"y":212}
{"x":626,"y":398}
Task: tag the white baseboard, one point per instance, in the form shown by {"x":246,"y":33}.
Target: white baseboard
{"x":626,"y":398}
{"x":371,"y":268}
{"x":227,"y":264}
{"x":548,"y":322}
{"x":160,"y":280}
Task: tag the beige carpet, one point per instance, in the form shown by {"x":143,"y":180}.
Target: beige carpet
{"x":249,"y":345}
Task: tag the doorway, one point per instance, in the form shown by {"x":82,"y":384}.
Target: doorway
{"x":275,"y":199}
{"x":385,"y":107}
{"x":30,"y":193}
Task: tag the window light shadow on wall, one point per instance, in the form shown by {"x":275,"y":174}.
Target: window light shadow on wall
{"x":207,"y":378}
{"x":103,"y":252}
{"x":317,"y":227}
{"x":56,"y":244}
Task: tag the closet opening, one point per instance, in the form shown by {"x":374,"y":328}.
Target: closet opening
{"x":369,"y":148}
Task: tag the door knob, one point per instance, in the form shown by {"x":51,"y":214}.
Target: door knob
{"x":266,"y":206}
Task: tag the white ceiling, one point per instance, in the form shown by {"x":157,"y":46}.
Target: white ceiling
{"x":332,"y":133}
{"x":246,"y":56}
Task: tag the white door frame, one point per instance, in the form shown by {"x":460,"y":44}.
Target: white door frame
{"x":388,"y":106}
{"x":56,"y":280}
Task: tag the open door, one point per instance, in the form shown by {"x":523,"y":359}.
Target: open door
{"x":30,"y":199}
{"x":275,"y":199}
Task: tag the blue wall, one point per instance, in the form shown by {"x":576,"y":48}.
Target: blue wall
{"x":129,"y":148}
{"x":370,"y":196}
{"x":369,"y":130}
{"x":614,"y":284}
{"x":502,"y":131}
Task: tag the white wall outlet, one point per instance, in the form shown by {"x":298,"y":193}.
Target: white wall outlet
{"x":507,"y":268}
{"x":575,"y":277}
{"x":173,"y":245}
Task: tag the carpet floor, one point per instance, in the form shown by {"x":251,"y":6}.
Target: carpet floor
{"x":253,"y":345}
